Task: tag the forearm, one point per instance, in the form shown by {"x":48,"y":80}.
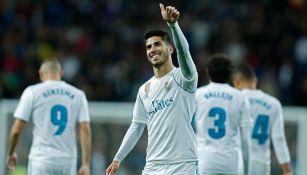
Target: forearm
{"x":185,"y":60}
{"x":132,"y":136}
{"x":14,"y":137}
{"x":85,"y":141}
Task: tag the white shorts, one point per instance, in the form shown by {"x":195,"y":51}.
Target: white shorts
{"x":218,"y":174}
{"x":260,"y":168}
{"x":40,"y":168}
{"x":184,"y":168}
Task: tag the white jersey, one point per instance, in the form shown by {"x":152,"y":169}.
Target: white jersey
{"x":55,"y":107}
{"x":266,"y":112}
{"x":167,"y":106}
{"x":221,"y":111}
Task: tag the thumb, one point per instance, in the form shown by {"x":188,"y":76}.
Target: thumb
{"x":162,"y":7}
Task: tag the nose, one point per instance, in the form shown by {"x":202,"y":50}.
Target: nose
{"x":154,"y":48}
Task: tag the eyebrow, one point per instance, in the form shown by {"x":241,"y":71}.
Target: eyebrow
{"x":154,"y":43}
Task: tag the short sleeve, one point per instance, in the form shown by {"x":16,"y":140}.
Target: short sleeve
{"x":25,"y":105}
{"x":139,"y":112}
{"x":84,"y":112}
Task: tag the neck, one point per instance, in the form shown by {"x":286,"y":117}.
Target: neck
{"x":52,"y":77}
{"x":250,"y":85}
{"x":163,"y":70}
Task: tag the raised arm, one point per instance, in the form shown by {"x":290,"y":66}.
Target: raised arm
{"x":14,"y":137}
{"x":170,"y":15}
{"x":132,"y":136}
{"x":85,"y":141}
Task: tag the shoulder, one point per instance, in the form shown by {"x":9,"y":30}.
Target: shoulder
{"x":33,"y":88}
{"x":274,"y":101}
{"x":145,"y":87}
{"x":73,"y":89}
{"x":201,"y":90}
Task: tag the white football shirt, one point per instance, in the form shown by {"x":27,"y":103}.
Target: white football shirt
{"x":167,"y":106}
{"x":266,"y":112}
{"x":55,"y":107}
{"x":220,"y":113}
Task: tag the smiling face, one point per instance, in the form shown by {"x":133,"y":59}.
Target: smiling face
{"x":158,"y":51}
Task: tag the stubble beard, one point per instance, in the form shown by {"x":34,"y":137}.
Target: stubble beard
{"x":159,"y":63}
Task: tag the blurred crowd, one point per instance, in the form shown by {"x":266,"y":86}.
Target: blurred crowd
{"x":100,"y":42}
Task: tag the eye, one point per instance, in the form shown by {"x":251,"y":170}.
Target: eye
{"x":148,"y":47}
{"x":157,"y":43}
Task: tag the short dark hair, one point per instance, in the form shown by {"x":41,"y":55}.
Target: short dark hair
{"x":246,"y":71}
{"x":219,"y":68}
{"x":164,"y":35}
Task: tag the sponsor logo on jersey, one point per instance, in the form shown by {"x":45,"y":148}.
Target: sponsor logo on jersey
{"x":158,"y":105}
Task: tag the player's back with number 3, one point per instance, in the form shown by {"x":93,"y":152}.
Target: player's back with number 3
{"x":222,"y":118}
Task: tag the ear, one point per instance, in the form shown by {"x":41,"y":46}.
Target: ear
{"x":61,"y":73}
{"x":236,"y":81}
{"x":41,"y":75}
{"x":170,"y":48}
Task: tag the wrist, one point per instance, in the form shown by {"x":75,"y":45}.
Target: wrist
{"x":171,"y":24}
{"x":116,"y":161}
{"x":11,"y":154}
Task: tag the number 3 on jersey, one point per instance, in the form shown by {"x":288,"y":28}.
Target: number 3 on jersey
{"x":219,"y":115}
{"x":59,"y":118}
{"x":261,"y":129}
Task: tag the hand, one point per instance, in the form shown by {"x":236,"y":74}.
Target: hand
{"x":111,"y":170}
{"x":11,"y":161}
{"x":84,"y":170}
{"x":170,"y":14}
{"x":288,"y":173}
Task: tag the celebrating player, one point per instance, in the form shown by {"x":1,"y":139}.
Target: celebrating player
{"x":165,"y":104}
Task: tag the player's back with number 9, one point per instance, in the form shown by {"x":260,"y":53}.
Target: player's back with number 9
{"x":57,"y":110}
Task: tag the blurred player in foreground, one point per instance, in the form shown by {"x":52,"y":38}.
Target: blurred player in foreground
{"x":222,"y":123}
{"x":57,"y":109}
{"x":266,"y":112}
{"x":165,"y":104}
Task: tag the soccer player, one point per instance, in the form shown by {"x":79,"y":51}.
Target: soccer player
{"x":266,"y":112}
{"x":222,"y":123}
{"x":165,"y":104}
{"x":57,"y":109}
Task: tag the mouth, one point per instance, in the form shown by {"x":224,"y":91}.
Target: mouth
{"x":155,"y":56}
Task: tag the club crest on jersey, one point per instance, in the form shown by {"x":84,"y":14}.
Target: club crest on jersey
{"x":147,"y":87}
{"x":158,"y":105}
{"x":167,"y":85}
